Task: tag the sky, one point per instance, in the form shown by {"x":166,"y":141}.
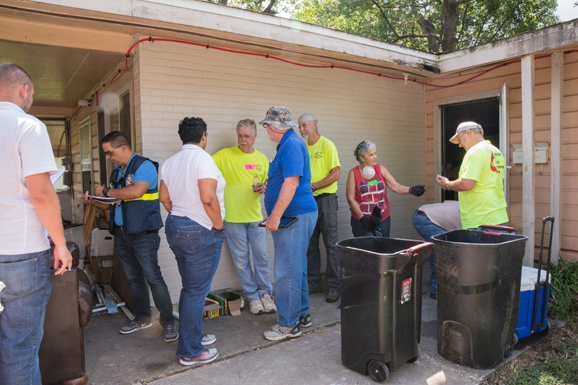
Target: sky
{"x":566,"y":10}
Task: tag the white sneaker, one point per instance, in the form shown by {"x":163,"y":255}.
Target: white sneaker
{"x":268,"y":303}
{"x":278,"y":332}
{"x":256,"y":307}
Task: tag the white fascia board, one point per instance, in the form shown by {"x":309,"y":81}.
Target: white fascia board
{"x":529,"y":43}
{"x":210,"y":16}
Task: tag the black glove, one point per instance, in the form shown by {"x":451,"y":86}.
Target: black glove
{"x":375,"y":217}
{"x":366,"y":222}
{"x":417,"y":190}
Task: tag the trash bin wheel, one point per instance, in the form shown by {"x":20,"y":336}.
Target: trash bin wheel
{"x":378,"y":371}
{"x":414,"y":359}
{"x":512,"y":341}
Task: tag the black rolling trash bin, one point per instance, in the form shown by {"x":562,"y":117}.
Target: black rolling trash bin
{"x":380,"y":302}
{"x":478,"y":293}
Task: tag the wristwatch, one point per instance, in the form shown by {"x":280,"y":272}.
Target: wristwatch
{"x":219,"y":230}
{"x":105,"y":191}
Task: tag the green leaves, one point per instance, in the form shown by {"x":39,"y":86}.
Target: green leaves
{"x":455,"y":24}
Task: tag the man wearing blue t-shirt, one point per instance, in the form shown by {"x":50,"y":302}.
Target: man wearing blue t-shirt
{"x":135,"y":223}
{"x":289,"y":194}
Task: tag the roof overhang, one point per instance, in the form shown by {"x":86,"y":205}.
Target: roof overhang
{"x":558,"y":37}
{"x":215,"y":24}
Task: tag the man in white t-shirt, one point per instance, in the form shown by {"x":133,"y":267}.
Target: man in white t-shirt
{"x":434,"y":219}
{"x":29,"y":212}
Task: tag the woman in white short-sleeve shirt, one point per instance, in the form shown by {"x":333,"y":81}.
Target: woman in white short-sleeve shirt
{"x":191,"y":191}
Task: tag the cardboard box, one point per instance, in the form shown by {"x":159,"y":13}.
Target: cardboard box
{"x":235,"y":301}
{"x":222,"y":302}
{"x":211,"y":309}
{"x":102,"y":268}
{"x":102,"y":243}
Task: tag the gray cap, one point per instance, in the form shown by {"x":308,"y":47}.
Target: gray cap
{"x":307,"y":118}
{"x":463,"y":127}
{"x":279,"y":117}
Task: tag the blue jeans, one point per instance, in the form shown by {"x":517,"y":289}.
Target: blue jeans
{"x":239,"y":237}
{"x":197,"y":251}
{"x":359,"y":231}
{"x":427,"y":229}
{"x":327,"y":226}
{"x":138,"y":256}
{"x":291,"y":294}
{"x":27,"y":280}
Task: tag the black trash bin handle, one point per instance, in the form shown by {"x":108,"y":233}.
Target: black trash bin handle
{"x":510,"y":230}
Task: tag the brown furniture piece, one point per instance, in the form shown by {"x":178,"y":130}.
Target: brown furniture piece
{"x":69,"y":310}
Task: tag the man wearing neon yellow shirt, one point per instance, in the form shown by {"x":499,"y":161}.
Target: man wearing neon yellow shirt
{"x":245,"y":171}
{"x":481,"y":181}
{"x":325,"y":172}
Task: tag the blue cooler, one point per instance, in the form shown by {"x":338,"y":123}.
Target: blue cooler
{"x":527,"y":302}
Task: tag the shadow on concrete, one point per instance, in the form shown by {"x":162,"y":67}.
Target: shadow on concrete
{"x":246,"y":357}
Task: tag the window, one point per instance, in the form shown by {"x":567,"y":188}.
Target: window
{"x":115,"y":115}
{"x":85,"y":154}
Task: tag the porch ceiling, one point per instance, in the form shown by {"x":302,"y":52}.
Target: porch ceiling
{"x":61,"y":75}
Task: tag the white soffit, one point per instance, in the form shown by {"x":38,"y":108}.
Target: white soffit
{"x":229,"y":20}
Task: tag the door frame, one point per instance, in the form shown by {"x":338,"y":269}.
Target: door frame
{"x":502,"y":95}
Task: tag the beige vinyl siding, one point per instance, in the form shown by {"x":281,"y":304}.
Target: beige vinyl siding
{"x":173,"y":81}
{"x":512,"y":77}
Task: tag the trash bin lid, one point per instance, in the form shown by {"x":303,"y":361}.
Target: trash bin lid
{"x":530,"y":278}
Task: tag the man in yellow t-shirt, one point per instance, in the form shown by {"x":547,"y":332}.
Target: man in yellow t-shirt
{"x":245,"y":171}
{"x":481,"y":182}
{"x":325,"y":172}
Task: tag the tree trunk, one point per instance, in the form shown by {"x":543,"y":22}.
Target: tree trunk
{"x":450,"y":15}
{"x":269,"y":8}
{"x":427,"y":26}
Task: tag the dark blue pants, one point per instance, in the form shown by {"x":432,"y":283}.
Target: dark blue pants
{"x":138,"y":257}
{"x":197,"y":251}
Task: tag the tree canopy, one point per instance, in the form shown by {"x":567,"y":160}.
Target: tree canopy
{"x":429,"y":25}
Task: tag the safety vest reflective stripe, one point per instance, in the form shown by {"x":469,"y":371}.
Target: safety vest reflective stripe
{"x":145,"y":197}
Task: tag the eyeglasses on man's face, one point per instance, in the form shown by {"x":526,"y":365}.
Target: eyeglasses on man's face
{"x":109,"y":153}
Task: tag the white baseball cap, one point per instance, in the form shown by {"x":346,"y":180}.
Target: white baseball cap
{"x":463,"y":127}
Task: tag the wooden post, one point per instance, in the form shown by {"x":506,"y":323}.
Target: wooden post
{"x":528,"y":140}
{"x":557,"y":84}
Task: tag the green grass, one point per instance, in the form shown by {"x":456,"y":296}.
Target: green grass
{"x":555,"y":371}
{"x":563,"y":290}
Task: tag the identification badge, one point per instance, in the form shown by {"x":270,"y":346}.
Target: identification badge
{"x":405,"y":291}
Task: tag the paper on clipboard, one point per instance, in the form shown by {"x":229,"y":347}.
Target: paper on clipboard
{"x":55,"y":177}
{"x":107,"y":200}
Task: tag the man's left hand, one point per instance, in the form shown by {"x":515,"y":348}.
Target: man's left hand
{"x":99,"y":190}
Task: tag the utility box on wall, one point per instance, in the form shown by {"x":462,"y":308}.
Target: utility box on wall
{"x":540,"y":153}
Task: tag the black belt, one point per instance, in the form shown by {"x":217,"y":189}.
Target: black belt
{"x":322,"y":195}
{"x":421,"y":213}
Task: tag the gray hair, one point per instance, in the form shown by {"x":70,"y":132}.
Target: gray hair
{"x":362,"y":149}
{"x":478,"y":129}
{"x":247,"y":123}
